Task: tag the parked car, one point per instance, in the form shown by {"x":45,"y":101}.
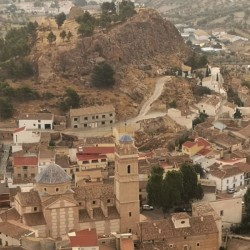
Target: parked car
{"x":230,"y":190}
{"x":147,"y":207}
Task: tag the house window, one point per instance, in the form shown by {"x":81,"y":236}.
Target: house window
{"x":39,"y":120}
{"x":93,"y":202}
{"x":103,"y":160}
{"x":75,"y":119}
{"x":198,"y":244}
{"x":110,"y":115}
{"x":25,"y":167}
{"x":85,"y":118}
{"x":103,"y":123}
{"x":57,"y":189}
{"x":171,"y":245}
{"x":111,"y":121}
{"x":80,"y":203}
{"x":45,"y":189}
{"x":103,"y":116}
{"x":19,"y":175}
{"x":108,"y":201}
{"x":221,"y":212}
{"x":35,"y":208}
{"x":75,"y":126}
{"x":25,"y":176}
{"x":85,"y":125}
{"x":182,"y":222}
{"x":227,"y":181}
{"x":185,"y":247}
{"x":96,"y":117}
{"x":129,"y":169}
{"x":129,"y":214}
{"x":130,"y":230}
{"x":34,"y":125}
{"x":6,"y":243}
{"x":77,"y":169}
{"x":93,"y":117}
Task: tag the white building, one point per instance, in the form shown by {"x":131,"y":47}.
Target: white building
{"x":22,"y":135}
{"x":12,"y":231}
{"x":37,"y":121}
{"x":183,"y":120}
{"x":226,"y":177}
{"x":215,"y":81}
{"x":210,"y":105}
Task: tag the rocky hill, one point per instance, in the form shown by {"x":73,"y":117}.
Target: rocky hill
{"x":137,"y":49}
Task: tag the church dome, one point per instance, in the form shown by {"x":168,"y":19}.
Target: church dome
{"x":53,"y":174}
{"x":126,"y":139}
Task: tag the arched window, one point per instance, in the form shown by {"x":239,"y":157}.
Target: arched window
{"x":129,"y":169}
{"x":57,"y":189}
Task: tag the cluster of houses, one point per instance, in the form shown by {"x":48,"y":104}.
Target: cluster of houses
{"x":61,"y":190}
{"x":213,"y":40}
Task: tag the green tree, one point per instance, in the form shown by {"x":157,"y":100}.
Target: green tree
{"x":60,"y":18}
{"x":173,"y":104}
{"x":108,"y":7}
{"x":69,"y":35}
{"x":86,"y":17}
{"x":154,"y":186}
{"x":199,"y":194}
{"x":190,"y":182}
{"x":237,"y":114}
{"x":103,"y":76}
{"x":51,"y":37}
{"x":6,"y":108}
{"x":172,"y":189}
{"x":127,"y":9}
{"x":63,"y":34}
{"x":85,"y":29}
{"x":72,"y":100}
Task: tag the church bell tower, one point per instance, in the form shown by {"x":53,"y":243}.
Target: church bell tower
{"x":127,"y":184}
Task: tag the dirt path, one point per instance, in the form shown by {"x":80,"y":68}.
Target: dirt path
{"x":144,"y":112}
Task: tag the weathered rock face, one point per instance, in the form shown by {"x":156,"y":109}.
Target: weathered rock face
{"x":145,"y":38}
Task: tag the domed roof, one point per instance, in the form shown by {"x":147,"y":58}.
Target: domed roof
{"x":53,"y":174}
{"x":126,"y":139}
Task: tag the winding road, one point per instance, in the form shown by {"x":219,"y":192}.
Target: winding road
{"x":144,"y":112}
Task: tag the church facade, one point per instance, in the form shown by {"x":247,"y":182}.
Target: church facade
{"x":55,"y":208}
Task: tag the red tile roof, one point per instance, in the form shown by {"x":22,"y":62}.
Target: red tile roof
{"x":18,"y":130}
{"x":205,"y":151}
{"x":188,"y":144}
{"x":97,"y":150}
{"x":25,"y":161}
{"x":202,"y":142}
{"x":127,"y":244}
{"x":86,"y":157}
{"x":84,"y":238}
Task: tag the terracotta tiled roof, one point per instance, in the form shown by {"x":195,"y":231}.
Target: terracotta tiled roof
{"x":160,"y":229}
{"x":34,"y":219}
{"x":62,"y":161}
{"x":14,"y":229}
{"x":29,"y":199}
{"x":226,"y":172}
{"x":243,"y":167}
{"x":99,"y":191}
{"x":92,"y":110}
{"x":84,"y":238}
{"x":19,"y":130}
{"x":202,"y":142}
{"x":86,"y":157}
{"x":188,"y":144}
{"x":25,"y":161}
{"x":127,"y":244}
{"x":10,"y":214}
{"x":36,"y":116}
